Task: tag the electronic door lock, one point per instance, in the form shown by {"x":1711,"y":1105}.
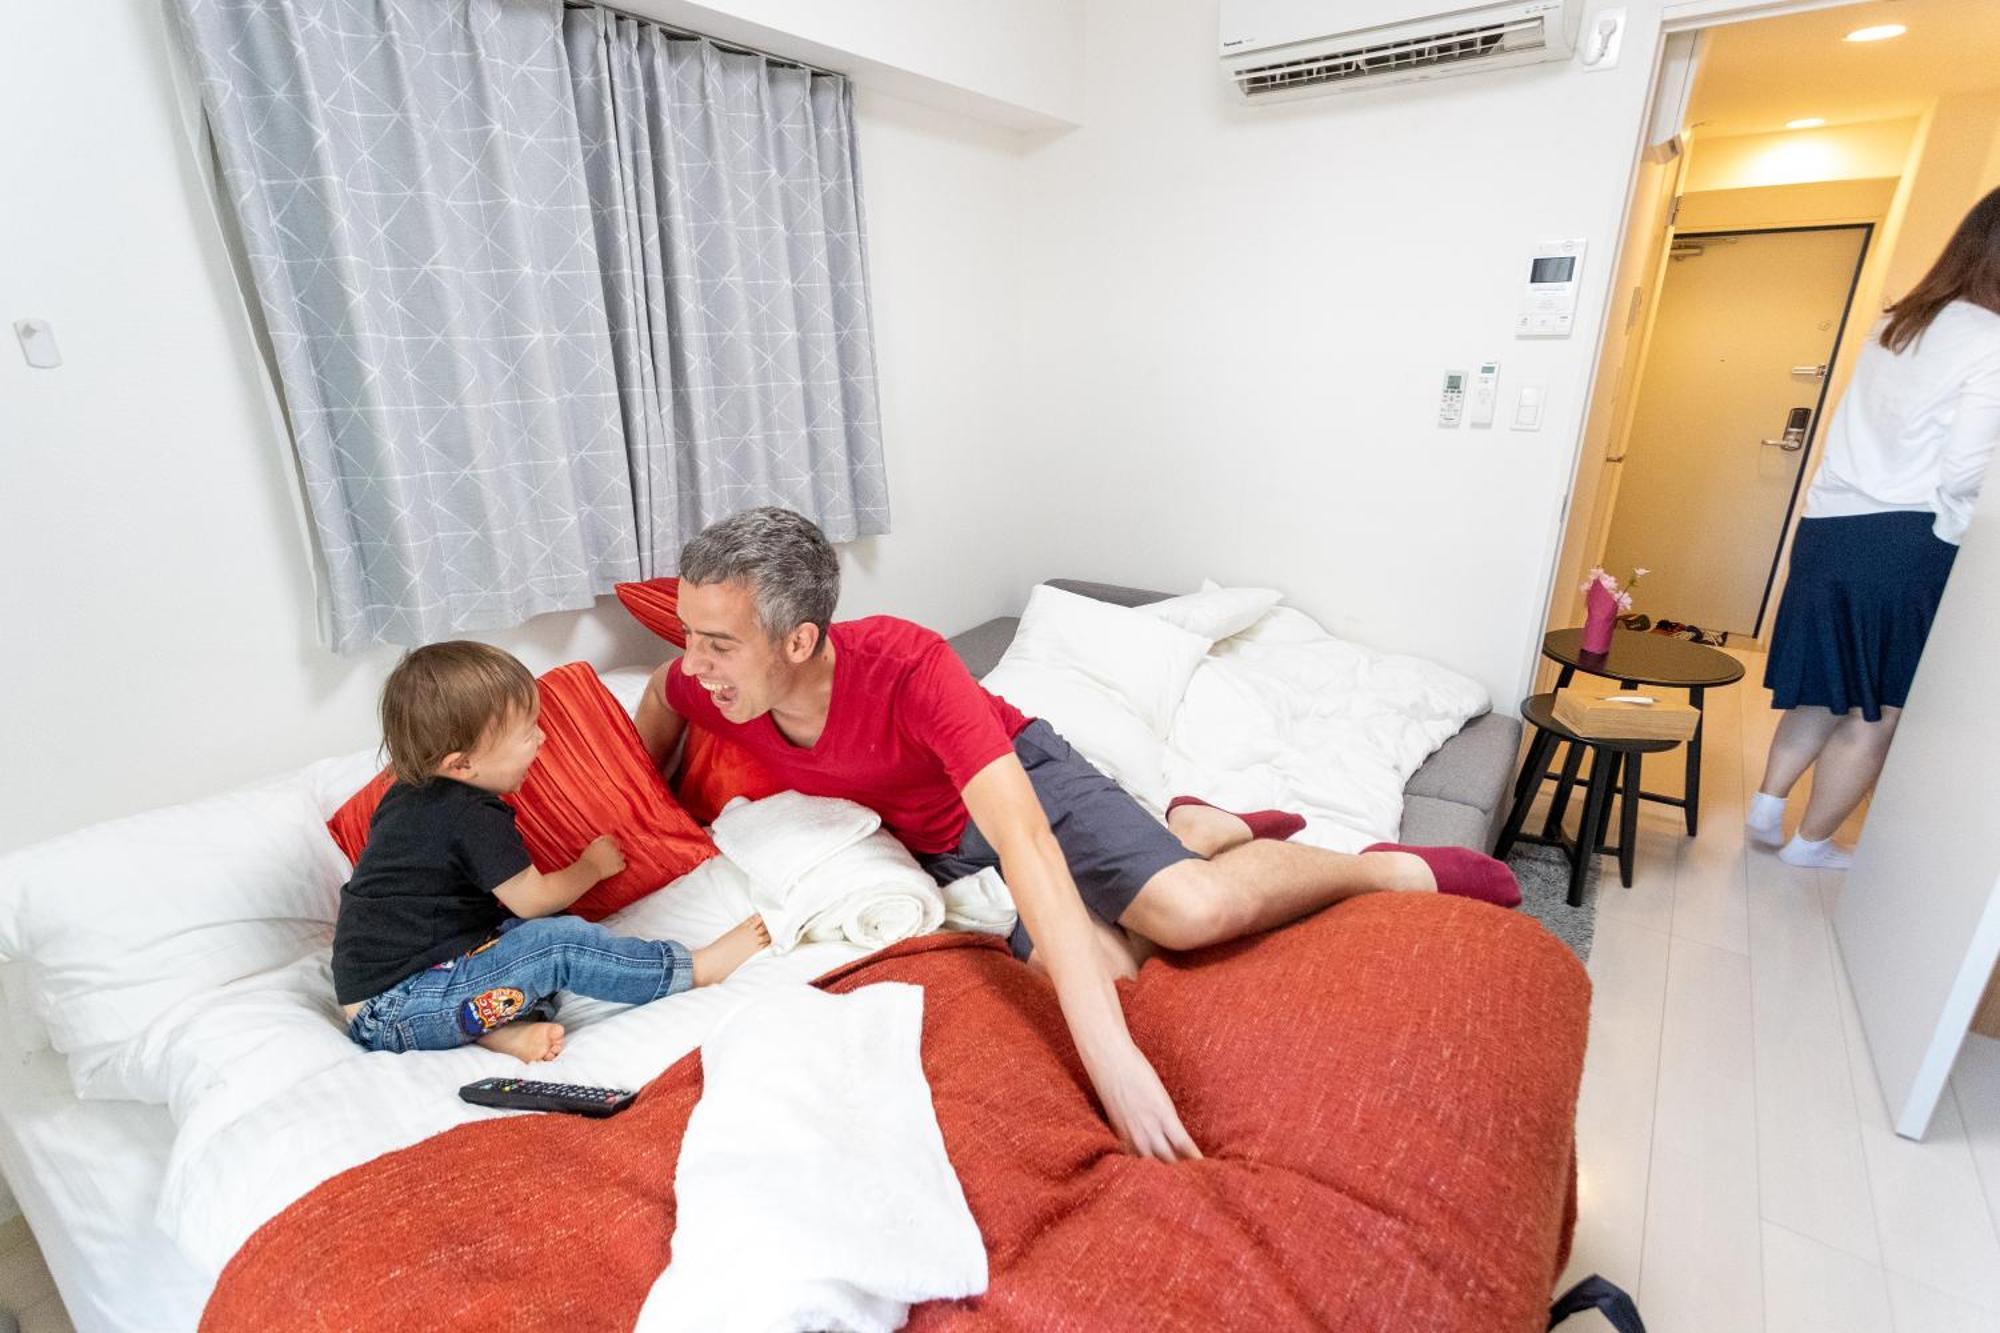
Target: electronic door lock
{"x":1797,"y":422}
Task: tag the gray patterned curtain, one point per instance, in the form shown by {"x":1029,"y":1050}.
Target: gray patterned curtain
{"x":547,"y":294}
{"x":729,"y":226}
{"x":406,"y":178}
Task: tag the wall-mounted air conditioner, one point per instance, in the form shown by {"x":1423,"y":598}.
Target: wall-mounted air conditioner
{"x":1277,"y":50}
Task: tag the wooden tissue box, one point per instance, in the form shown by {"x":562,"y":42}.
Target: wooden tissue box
{"x":1594,"y":714}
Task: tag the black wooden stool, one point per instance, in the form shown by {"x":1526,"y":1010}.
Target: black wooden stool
{"x":1609,"y":760}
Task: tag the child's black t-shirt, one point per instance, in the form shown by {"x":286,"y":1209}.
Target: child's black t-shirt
{"x":422,"y":891}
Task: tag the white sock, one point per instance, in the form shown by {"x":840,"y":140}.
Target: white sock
{"x":1765,"y":819}
{"x":1820,"y":855}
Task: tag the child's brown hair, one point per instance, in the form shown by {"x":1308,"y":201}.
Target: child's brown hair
{"x":443,"y":698}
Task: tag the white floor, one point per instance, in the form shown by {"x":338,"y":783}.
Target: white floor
{"x":1738,"y":1171}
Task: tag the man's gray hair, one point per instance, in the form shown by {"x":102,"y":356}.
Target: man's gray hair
{"x":787,"y":561}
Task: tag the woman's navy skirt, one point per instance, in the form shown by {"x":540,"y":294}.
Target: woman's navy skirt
{"x":1858,"y":606}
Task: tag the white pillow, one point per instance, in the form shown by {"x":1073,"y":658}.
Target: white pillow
{"x":1107,"y":677}
{"x":248,"y":1040}
{"x":128,"y":919}
{"x":1215,"y":612}
{"x":330,"y":782}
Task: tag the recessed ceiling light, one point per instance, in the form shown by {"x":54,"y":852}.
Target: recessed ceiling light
{"x":1881,"y":32}
{"x":1809,"y":123}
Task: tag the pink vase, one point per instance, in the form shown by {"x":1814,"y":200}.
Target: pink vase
{"x":1600,"y":618}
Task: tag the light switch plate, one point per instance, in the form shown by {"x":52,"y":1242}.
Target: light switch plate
{"x":1528,"y":407}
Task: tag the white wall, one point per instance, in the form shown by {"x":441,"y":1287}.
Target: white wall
{"x":1010,"y":62}
{"x":156,"y":600}
{"x":1873,"y":149}
{"x":1614,"y":392}
{"x":1918,"y":917}
{"x":1239,"y":319}
{"x":1958,"y":163}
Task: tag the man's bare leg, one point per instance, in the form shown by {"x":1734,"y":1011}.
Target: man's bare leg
{"x":1119,"y":951}
{"x":1264,"y":883}
{"x":1257,"y":885}
{"x":1207,"y":831}
{"x":1203,"y":830}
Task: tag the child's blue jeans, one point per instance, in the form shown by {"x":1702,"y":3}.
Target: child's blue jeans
{"x":464,"y":998}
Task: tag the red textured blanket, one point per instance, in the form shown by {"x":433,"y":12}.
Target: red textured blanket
{"x":1385,"y":1092}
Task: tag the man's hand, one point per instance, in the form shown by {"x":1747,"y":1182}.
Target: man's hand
{"x":603,"y":858}
{"x":1136,"y":1103}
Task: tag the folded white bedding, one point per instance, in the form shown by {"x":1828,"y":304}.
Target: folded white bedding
{"x":812,"y":1189}
{"x":980,"y":902}
{"x":824,"y":869}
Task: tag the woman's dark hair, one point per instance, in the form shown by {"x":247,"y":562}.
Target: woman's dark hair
{"x":1968,"y":270}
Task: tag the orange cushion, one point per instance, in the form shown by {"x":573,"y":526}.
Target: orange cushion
{"x":715,"y":771}
{"x":592,"y":777}
{"x":655,"y":603}
{"x":349,"y":825}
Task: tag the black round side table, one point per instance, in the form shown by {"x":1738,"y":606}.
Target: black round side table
{"x":1608,"y":758}
{"x":1637,"y":659}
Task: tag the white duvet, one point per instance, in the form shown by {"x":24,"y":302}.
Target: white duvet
{"x":1279,"y":715}
{"x":1286,"y":716}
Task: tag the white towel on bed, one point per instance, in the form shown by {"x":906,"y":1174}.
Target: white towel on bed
{"x":872,"y":893}
{"x":980,"y":901}
{"x":813,"y":1190}
{"x":824,"y":869}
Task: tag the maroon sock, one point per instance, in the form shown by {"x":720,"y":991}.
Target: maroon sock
{"x":1275,"y":824}
{"x":1464,"y":872}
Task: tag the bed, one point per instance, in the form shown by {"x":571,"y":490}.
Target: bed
{"x":89,"y":1174}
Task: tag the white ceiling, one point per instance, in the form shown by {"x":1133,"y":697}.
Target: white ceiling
{"x":1756,"y":76}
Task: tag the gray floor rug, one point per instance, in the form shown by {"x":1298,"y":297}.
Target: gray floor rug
{"x":1544,"y":876}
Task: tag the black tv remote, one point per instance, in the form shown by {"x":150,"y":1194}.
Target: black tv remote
{"x":521,"y":1094}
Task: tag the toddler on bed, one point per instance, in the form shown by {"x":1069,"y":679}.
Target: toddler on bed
{"x":447,"y":933}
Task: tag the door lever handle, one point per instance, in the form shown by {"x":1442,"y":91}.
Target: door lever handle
{"x":1815,"y":372}
{"x":1797,"y":422}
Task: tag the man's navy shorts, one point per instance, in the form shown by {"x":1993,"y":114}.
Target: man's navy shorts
{"x":1112,"y":845}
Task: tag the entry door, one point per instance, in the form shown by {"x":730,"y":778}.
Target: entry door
{"x":1728,"y":405}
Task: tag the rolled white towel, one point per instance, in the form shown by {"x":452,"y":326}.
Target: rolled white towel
{"x":878,"y":914}
{"x":871,"y":892}
{"x":981,"y":902}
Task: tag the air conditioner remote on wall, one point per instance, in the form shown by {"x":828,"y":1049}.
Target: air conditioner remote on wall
{"x":1485,"y":388}
{"x":1451,"y":406}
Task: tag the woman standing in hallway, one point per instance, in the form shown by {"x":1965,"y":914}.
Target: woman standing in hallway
{"x":1904,"y":461}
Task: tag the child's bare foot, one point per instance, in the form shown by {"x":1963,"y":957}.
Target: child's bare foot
{"x":730,"y":952}
{"x":529,"y":1042}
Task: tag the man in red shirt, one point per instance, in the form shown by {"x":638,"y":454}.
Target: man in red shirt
{"x":882,"y":712}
